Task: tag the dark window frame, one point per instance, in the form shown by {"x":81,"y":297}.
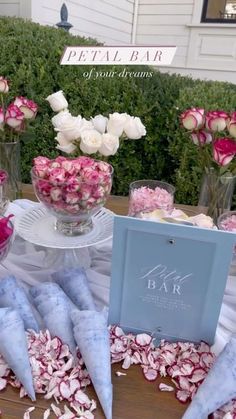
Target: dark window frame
{"x":205,"y":19}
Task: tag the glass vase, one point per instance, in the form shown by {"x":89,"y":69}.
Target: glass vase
{"x":10,"y":161}
{"x":216,"y":193}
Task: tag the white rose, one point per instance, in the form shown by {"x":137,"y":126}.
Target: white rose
{"x":64,"y":145}
{"x":134,"y":128}
{"x":71,"y":127}
{"x":86,"y":125}
{"x":59,"y":119}
{"x":100,"y":123}
{"x":57,"y":101}
{"x":110,"y":145}
{"x":91,"y":141}
{"x":116,"y":123}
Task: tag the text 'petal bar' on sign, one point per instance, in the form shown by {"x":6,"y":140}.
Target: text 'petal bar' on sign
{"x":130,"y":55}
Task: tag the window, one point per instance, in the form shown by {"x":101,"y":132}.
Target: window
{"x":221,"y":11}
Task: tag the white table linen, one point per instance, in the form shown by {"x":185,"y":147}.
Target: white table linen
{"x":33,"y":264}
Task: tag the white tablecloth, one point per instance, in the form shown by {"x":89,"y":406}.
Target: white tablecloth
{"x":33,"y":264}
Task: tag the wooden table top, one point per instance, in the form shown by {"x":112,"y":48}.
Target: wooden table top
{"x":133,"y":396}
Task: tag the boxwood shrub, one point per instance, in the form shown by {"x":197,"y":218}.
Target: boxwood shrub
{"x":30,"y":59}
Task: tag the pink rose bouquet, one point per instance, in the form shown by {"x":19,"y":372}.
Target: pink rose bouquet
{"x":14,"y":115}
{"x":214,"y":134}
{"x":73,"y":189}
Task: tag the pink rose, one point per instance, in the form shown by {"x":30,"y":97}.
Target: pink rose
{"x":193,"y":119}
{"x":54,"y":164}
{"x":69,"y":167}
{"x":41,"y":160}
{"x":73,"y":184}
{"x":43,"y":187}
{"x":27,"y":106}
{"x":216,"y":120}
{"x":85,"y":191}
{"x":72,"y":198}
{"x":201,"y":137}
{"x":85,"y":161}
{"x":231,"y":124}
{"x":56,"y":194}
{"x":1,"y":118}
{"x":90,"y":203}
{"x":98,"y":192}
{"x":4,"y":88}
{"x":14,"y":116}
{"x":224,"y":150}
{"x":41,"y":170}
{"x":60,"y":159}
{"x":90,"y":175}
{"x":103,"y":166}
{"x":57,"y":176}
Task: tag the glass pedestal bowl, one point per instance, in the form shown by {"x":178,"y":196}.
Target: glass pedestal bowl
{"x":74,"y":201}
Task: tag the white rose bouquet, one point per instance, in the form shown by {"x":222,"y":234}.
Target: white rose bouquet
{"x":100,"y":135}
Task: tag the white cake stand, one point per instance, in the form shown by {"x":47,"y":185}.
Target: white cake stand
{"x":37,"y":226}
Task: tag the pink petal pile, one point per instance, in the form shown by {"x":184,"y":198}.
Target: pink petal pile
{"x":145,"y":199}
{"x":72,"y":186}
{"x":186,"y":363}
{"x":56,"y":375}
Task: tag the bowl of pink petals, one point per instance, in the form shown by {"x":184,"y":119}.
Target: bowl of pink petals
{"x":148,"y":195}
{"x":227,"y":222}
{"x":6,"y":235}
{"x":72,"y":189}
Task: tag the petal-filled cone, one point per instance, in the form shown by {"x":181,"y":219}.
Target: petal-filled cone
{"x":13,"y":348}
{"x":219,"y":386}
{"x":94,"y":346}
{"x":14,"y":296}
{"x":55,"y":312}
{"x":85,"y":319}
{"x":45,"y":305}
{"x":75,"y":284}
{"x":42,"y":292}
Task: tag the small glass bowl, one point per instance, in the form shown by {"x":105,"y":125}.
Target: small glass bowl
{"x":6,"y":244}
{"x":73,"y":208}
{"x":227,"y":221}
{"x":149,"y":195}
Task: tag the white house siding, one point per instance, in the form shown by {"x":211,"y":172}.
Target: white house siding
{"x":203,"y":50}
{"x":18,"y":8}
{"x":163,"y":22}
{"x":10,"y":8}
{"x":108,"y":21}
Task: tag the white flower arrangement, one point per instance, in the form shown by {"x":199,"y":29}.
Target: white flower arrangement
{"x":99,"y":135}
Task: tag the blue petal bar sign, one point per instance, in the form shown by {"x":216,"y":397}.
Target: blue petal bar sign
{"x":125,"y":55}
{"x":168,"y":280}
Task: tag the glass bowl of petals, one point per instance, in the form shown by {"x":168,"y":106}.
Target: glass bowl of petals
{"x":72,"y":189}
{"x":149,"y":195}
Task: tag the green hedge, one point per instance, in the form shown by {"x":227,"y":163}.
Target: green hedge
{"x":29,"y":57}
